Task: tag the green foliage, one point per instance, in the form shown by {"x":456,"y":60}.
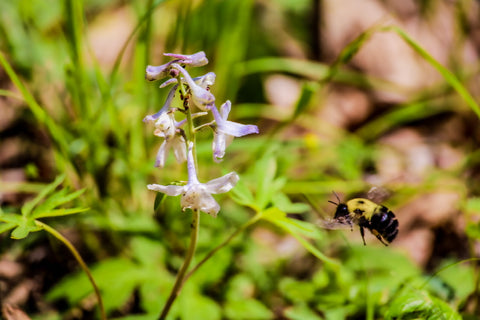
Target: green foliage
{"x":117,"y":278}
{"x":412,"y":304}
{"x":91,"y":113}
{"x":44,"y":205}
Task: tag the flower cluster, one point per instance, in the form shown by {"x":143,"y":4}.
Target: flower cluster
{"x":193,"y":92}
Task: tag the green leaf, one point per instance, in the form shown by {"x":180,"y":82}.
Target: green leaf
{"x":7,"y":226}
{"x":23,"y":229}
{"x":198,"y":306}
{"x":297,"y":291}
{"x":297,"y":229}
{"x":473,"y":230}
{"x":139,"y":317}
{"x":265,"y":171}
{"x":116,"y":278}
{"x":281,"y":201}
{"x":247,"y":309}
{"x":473,"y":205}
{"x":242,"y":195}
{"x":146,"y":251}
{"x":416,"y":304}
{"x":58,"y":198}
{"x":303,"y":312}
{"x":58,"y":212}
{"x":12,"y":218}
{"x":159,"y":200}
{"x":308,"y":89}
{"x":28,"y":207}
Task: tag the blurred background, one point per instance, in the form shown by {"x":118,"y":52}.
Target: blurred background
{"x":343,"y":103}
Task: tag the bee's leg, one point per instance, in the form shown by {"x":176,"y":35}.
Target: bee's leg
{"x":379,"y":237}
{"x":362,"y":233}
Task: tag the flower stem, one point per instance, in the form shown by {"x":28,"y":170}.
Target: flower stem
{"x":80,"y":261}
{"x":188,"y":258}
{"x":223,"y":244}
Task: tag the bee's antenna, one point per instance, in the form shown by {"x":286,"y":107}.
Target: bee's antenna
{"x":333,"y":202}
{"x":336,"y":195}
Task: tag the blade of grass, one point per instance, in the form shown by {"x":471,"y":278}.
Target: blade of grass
{"x":446,"y":74}
{"x":144,"y":19}
{"x":59,"y":135}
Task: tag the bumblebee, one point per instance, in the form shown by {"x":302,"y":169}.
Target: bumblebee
{"x":381,"y":222}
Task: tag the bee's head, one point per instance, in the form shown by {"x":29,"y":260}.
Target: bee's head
{"x":342,"y":211}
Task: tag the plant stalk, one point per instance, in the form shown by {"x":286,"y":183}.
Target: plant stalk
{"x":183,"y":270}
{"x":80,"y":261}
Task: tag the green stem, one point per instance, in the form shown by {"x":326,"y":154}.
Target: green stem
{"x":253,"y":220}
{"x":188,"y":258}
{"x":80,"y":261}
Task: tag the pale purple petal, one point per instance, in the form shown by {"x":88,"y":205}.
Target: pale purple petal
{"x":162,"y":155}
{"x":168,"y":82}
{"x":177,"y":143}
{"x":192,"y":171}
{"x":225,"y":109}
{"x":229,"y":127}
{"x":222,"y":184}
{"x":218,"y":145}
{"x":153,"y":73}
{"x":165,"y":108}
{"x":206,"y":80}
{"x":170,"y":190}
{"x":195,"y":60}
{"x":236,"y":129}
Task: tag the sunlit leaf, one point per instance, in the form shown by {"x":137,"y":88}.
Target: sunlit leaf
{"x":242,"y":195}
{"x":247,"y":309}
{"x":303,"y":312}
{"x":23,"y":229}
{"x":281,"y":201}
{"x":28,"y":207}
{"x":297,"y":230}
{"x":297,"y":291}
{"x":415,"y":304}
{"x":57,"y":199}
{"x":58,"y":212}
{"x":265,"y":171}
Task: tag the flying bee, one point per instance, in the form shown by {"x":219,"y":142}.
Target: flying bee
{"x":367,"y":214}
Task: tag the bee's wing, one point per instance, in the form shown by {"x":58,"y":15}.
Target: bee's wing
{"x":340,"y":223}
{"x":378,"y":194}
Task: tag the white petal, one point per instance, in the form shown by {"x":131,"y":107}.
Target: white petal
{"x":178,"y":145}
{"x":225,"y":109}
{"x":162,"y":155}
{"x":222,"y":184}
{"x":218,"y":146}
{"x":170,"y":190}
{"x":196,"y":198}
